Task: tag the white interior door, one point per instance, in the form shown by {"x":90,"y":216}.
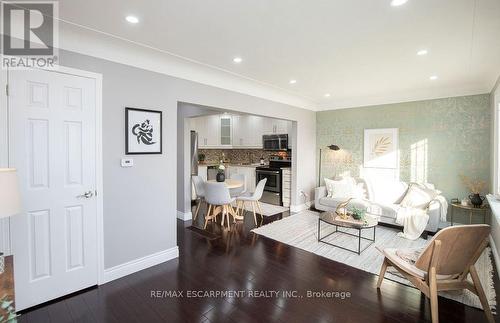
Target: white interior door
{"x":52,"y":135}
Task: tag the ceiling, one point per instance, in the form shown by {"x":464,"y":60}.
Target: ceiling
{"x":362,"y":52}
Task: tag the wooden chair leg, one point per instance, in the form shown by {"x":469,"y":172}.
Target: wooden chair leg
{"x":197,"y":210}
{"x":254,"y":216}
{"x":223,"y":215}
{"x":207,"y":217}
{"x":260,"y":209}
{"x":433,"y":295}
{"x":382,"y":273}
{"x":480,"y":293}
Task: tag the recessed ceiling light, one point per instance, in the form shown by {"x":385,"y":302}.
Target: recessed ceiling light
{"x":237,"y":60}
{"x":433,"y":77}
{"x":422,"y":52}
{"x":397,"y":3}
{"x":132,"y":19}
{"x":327,"y":95}
{"x":292,"y":81}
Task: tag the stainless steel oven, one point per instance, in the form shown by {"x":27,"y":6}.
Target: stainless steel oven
{"x":275,"y":142}
{"x":273,"y":183}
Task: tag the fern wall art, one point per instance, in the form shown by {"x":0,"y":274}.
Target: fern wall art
{"x":381,"y":148}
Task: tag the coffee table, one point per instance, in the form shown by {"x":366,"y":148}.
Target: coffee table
{"x":329,"y":218}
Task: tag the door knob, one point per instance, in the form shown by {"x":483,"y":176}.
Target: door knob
{"x":86,"y":195}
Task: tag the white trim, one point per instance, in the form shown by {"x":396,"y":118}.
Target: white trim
{"x":299,"y":207}
{"x":4,"y":121}
{"x":494,"y":252}
{"x":184,"y":216}
{"x":110,"y":47}
{"x":139,"y":264}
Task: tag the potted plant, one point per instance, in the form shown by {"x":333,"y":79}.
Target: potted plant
{"x":357,"y":214}
{"x":475,"y":187}
{"x":201,"y":158}
{"x":221,"y":177}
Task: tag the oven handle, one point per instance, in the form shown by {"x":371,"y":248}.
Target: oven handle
{"x":268,"y":171}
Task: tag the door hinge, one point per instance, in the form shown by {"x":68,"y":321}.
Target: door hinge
{"x":7,"y":89}
{"x":95,"y":192}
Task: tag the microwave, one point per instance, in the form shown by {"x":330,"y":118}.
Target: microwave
{"x":275,"y":142}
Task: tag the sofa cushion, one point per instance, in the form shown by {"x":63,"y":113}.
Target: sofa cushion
{"x":385,"y":210}
{"x":386,"y":191}
{"x":334,"y":202}
{"x":343,"y":189}
{"x":418,"y":196}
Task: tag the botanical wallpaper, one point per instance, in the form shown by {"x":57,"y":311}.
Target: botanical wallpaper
{"x":439,"y":140}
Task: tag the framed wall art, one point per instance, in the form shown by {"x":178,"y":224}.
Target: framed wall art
{"x":143,"y":131}
{"x":381,"y":148}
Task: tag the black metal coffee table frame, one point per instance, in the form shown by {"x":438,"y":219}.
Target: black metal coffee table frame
{"x":359,"y":236}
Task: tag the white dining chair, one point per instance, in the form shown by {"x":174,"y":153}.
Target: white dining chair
{"x":253,"y":199}
{"x":199,"y":188}
{"x":219,"y":200}
{"x":235,"y":192}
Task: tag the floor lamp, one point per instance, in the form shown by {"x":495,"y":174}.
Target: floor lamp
{"x":331,"y":147}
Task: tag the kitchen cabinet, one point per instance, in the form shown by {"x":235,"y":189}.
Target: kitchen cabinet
{"x":226,"y":130}
{"x":208,"y":129}
{"x":247,"y":131}
{"x":275,"y":126}
{"x":286,"y":186}
{"x":236,"y":131}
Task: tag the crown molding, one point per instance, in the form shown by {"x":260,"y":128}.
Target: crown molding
{"x":98,"y":44}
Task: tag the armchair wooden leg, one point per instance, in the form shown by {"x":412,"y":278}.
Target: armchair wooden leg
{"x":197,"y":209}
{"x":433,"y":295}
{"x":480,"y":293}
{"x":382,"y":273}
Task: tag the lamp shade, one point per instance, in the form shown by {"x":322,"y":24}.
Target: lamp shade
{"x":10,"y":198}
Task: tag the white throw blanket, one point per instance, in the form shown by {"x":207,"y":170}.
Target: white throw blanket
{"x":413,"y":221}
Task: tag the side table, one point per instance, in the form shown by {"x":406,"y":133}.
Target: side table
{"x":472,"y":210}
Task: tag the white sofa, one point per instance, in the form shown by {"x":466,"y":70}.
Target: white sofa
{"x":382,"y":199}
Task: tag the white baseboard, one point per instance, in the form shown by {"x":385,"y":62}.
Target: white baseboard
{"x":299,"y":208}
{"x":140,"y":264}
{"x":494,"y":252}
{"x":184,"y":216}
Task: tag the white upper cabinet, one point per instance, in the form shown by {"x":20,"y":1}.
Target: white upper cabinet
{"x":226,"y":130}
{"x":247,"y":131}
{"x":236,"y":131}
{"x":208,"y":129}
{"x":275,"y":126}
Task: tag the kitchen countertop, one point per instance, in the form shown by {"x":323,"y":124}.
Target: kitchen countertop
{"x":231,"y":164}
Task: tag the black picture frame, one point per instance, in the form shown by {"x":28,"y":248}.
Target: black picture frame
{"x":128,"y":132}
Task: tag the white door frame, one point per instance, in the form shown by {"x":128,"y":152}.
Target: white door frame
{"x":5,"y":122}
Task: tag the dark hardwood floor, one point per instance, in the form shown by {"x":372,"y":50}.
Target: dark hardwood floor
{"x":240,"y":260}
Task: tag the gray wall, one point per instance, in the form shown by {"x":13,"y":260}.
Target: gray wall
{"x":140,"y":202}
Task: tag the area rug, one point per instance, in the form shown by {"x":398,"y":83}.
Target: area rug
{"x":267,"y":209}
{"x":300,"y":230}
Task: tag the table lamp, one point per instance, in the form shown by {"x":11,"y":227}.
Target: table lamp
{"x":10,"y":198}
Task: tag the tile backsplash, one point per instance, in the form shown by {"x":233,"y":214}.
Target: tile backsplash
{"x":236,"y":155}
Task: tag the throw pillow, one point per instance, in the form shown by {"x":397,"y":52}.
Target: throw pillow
{"x":418,"y":197}
{"x":344,"y":188}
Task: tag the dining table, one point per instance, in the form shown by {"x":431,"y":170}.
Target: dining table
{"x":231,"y":184}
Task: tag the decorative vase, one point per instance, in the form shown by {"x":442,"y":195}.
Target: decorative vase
{"x":221,"y":177}
{"x":476,"y":200}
